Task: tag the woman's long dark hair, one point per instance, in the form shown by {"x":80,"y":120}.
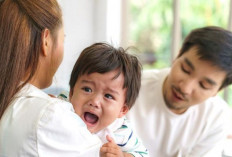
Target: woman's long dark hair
{"x":22,"y":23}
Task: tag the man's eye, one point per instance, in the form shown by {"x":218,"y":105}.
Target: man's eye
{"x":87,"y":89}
{"x":184,"y":70}
{"x":202,"y":85}
{"x":108,"y":96}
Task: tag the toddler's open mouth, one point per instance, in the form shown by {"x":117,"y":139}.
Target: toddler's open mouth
{"x":90,"y":118}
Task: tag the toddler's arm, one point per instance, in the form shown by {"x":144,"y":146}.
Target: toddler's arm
{"x":128,"y":141}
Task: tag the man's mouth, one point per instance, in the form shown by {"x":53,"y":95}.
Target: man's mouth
{"x":90,"y":118}
{"x":177,"y":94}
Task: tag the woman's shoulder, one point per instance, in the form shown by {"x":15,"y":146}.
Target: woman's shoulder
{"x":39,"y":104}
{"x":39,"y":97}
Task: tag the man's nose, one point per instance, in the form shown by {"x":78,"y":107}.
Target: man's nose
{"x":187,"y":86}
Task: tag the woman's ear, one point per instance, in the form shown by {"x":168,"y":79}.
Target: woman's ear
{"x":123,"y":111}
{"x":46,"y":41}
{"x":70,"y":93}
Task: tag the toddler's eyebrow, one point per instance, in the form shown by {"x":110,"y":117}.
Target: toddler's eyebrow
{"x":113,"y":91}
{"x":109,"y":89}
{"x":87,"y":81}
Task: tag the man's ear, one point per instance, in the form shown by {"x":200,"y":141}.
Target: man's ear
{"x":123,"y":111}
{"x":46,"y":42}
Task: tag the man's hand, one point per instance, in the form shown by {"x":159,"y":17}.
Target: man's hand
{"x":111,"y":149}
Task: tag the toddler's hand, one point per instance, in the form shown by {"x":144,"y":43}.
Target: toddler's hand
{"x":110,"y":149}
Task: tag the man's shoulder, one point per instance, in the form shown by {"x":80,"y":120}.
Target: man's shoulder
{"x":214,"y":106}
{"x":216,"y":101}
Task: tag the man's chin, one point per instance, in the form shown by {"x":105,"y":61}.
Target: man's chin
{"x":168,"y":104}
{"x":177,"y":108}
{"x":171,"y":106}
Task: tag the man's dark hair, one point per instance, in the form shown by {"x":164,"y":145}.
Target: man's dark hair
{"x":214,"y":44}
{"x":103,"y":58}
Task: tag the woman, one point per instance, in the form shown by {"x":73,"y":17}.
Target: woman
{"x":31,"y":50}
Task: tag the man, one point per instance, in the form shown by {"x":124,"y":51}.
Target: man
{"x":177,"y":112}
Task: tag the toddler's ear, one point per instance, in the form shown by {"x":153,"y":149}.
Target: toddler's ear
{"x":123,"y":111}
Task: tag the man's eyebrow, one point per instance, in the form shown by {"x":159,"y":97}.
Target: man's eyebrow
{"x":192,"y":67}
{"x":210,"y":81}
{"x":187,"y":61}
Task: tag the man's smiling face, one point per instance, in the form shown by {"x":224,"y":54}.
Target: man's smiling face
{"x":191,"y":81}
